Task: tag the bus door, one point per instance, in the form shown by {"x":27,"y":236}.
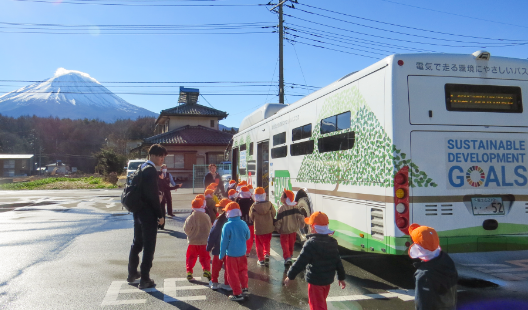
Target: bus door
{"x":263,"y":165}
{"x":234,"y":165}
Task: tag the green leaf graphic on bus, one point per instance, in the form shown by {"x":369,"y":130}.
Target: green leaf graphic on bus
{"x":373,"y":161}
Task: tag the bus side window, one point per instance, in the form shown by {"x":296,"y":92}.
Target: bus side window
{"x":341,"y":142}
{"x":335,"y":123}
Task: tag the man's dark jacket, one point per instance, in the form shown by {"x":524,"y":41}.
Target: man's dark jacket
{"x":320,"y":257}
{"x":215,"y":236}
{"x":150,"y":191}
{"x":245,"y":205}
{"x":436,"y":284}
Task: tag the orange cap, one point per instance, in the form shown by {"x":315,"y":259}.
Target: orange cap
{"x":201,"y":196}
{"x":290,"y":195}
{"x":231,"y":192}
{"x":197,"y":203}
{"x":232,"y":182}
{"x":212,"y":186}
{"x":425,"y":236}
{"x":259,"y":191}
{"x":250,"y":186}
{"x":317,"y":218}
{"x":208,"y":192}
{"x":244,"y":189}
{"x":224,"y":202}
{"x":231,"y":206}
{"x":243,"y":183}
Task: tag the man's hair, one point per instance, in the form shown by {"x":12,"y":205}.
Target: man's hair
{"x":158,"y":150}
{"x":212,"y":165}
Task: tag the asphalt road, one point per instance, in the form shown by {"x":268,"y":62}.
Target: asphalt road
{"x":69,"y":250}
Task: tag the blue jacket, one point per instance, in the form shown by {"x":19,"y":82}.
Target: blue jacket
{"x":213,"y":242}
{"x":234,"y":236}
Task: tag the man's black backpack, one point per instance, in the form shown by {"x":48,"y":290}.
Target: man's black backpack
{"x":131,"y":196}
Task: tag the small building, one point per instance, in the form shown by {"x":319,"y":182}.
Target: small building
{"x":14,"y":165}
{"x":190,"y":133}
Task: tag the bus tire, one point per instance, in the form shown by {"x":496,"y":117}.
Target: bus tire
{"x":304,"y":207}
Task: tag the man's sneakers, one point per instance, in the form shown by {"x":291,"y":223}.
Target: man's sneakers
{"x":227,"y":287}
{"x":236,"y":297}
{"x":245,"y":291}
{"x":189,"y":276}
{"x":146,"y":284}
{"x":133,"y":277}
{"x":214,"y":285}
{"x":288,"y":261}
{"x":206,"y":274}
{"x":261,"y":263}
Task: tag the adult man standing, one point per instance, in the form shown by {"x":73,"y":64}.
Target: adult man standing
{"x":147,"y":219}
{"x":166,"y":184}
{"x":213,"y":177}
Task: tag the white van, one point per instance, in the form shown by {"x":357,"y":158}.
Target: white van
{"x":132,"y":167}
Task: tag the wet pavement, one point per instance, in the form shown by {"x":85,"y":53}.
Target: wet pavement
{"x":69,"y":250}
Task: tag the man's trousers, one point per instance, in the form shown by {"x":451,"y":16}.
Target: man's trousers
{"x":145,"y":232}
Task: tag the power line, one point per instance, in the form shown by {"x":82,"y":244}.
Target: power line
{"x":332,"y":49}
{"x":146,"y":94}
{"x":333,"y":44}
{"x":414,"y":35}
{"x":143,"y":5}
{"x":397,"y":25}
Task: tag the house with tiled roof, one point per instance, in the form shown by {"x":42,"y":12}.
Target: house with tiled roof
{"x":190,"y":133}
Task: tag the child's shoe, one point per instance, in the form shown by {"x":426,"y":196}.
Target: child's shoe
{"x":227,"y":287}
{"x":288,"y":261}
{"x":214,"y":285}
{"x":236,"y":297}
{"x":245,"y":291}
{"x":207,"y":274}
{"x":266,"y":258}
{"x":189,"y":276}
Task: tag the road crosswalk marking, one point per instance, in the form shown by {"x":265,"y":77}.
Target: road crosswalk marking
{"x":504,"y":271}
{"x":170,"y":290}
{"x":405,"y":295}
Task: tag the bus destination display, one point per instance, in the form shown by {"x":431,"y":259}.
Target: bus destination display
{"x":483,"y":98}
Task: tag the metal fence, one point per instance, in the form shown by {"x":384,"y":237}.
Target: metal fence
{"x":199,"y":172}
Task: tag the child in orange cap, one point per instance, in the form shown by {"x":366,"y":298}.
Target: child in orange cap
{"x":210,"y":204}
{"x":233,"y":247}
{"x":262,"y":213}
{"x":436,"y":275}
{"x":245,"y":201}
{"x":232,"y":194}
{"x":239,"y":186}
{"x":320,"y":258}
{"x":251,"y":190}
{"x":232,"y":184}
{"x":197,"y":227}
{"x":289,"y":221}
{"x":213,"y":245}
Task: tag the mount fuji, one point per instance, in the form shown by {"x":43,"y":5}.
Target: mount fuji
{"x":69,"y":94}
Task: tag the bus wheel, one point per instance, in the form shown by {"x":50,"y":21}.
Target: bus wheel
{"x":304,"y":207}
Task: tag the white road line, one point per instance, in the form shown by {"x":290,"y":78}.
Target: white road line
{"x":113,"y":293}
{"x":170,"y":289}
{"x":276,"y":255}
{"x":401,"y":294}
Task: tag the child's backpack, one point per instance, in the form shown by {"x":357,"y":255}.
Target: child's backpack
{"x":131,"y":196}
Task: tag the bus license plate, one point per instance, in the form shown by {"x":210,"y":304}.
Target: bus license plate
{"x":487,"y":206}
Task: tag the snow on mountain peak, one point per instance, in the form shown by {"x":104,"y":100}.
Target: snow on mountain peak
{"x":62,"y":71}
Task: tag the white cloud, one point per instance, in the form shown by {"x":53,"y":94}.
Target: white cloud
{"x":62,"y":71}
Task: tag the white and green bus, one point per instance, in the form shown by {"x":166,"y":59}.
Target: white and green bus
{"x":435,"y":139}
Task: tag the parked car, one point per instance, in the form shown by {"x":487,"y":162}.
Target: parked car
{"x":132,"y":166}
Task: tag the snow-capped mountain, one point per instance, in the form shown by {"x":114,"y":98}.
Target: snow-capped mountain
{"x":69,"y":94}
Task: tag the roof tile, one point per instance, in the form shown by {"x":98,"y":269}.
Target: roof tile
{"x":192,"y":135}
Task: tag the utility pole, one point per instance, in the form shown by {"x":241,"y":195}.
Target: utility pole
{"x":281,"y":48}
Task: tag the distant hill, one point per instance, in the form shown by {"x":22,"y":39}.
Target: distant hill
{"x":69,"y":94}
{"x":222,"y":127}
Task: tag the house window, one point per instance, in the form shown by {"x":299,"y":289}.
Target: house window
{"x":175,"y":161}
{"x":212,"y":123}
{"x":215,"y":158}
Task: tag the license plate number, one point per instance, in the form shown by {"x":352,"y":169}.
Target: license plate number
{"x":487,"y":206}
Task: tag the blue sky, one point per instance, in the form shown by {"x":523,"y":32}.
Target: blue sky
{"x":208,"y":56}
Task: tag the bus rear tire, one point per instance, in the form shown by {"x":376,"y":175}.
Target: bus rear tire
{"x":304,"y":207}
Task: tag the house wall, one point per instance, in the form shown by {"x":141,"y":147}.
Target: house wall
{"x":175,"y":122}
{"x":184,"y":157}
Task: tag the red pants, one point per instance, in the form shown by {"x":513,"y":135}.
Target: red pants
{"x":287,"y":243}
{"x":217,"y":265}
{"x":249,"y":243}
{"x":317,"y":296}
{"x":195,"y":251}
{"x":237,"y":273}
{"x":263,"y":245}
